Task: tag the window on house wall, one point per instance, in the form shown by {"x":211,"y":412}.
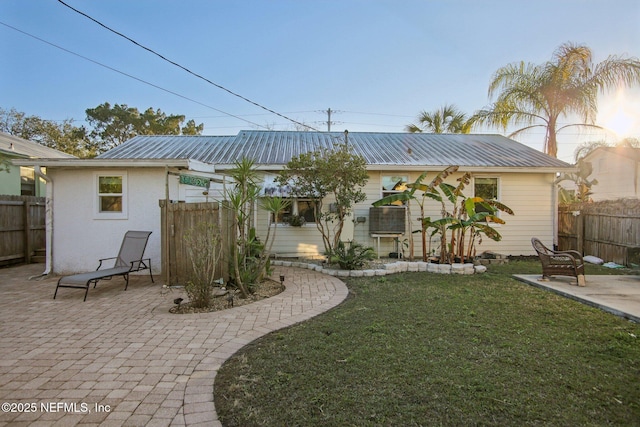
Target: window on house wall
{"x":487,"y":188}
{"x":111,"y":201}
{"x":27,"y":182}
{"x":302,"y":207}
{"x":392,"y":184}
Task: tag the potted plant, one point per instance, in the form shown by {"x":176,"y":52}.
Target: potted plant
{"x":296,"y":220}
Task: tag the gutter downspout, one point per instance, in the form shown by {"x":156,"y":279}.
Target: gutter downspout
{"x":48,"y":220}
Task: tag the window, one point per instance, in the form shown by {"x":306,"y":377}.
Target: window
{"x":394,"y":184}
{"x":487,"y":188}
{"x":111,"y":199}
{"x":305,"y":208}
{"x":27,"y":182}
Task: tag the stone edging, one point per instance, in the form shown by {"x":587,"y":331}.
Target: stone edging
{"x":391,"y":268}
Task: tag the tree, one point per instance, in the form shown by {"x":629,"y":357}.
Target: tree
{"x":328,"y":171}
{"x":539,"y":95}
{"x":447,"y":119}
{"x":63,"y":136}
{"x":114,"y":125}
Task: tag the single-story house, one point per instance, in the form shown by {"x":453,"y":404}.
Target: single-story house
{"x":23,"y":180}
{"x":95,"y":201}
{"x":617,"y":170}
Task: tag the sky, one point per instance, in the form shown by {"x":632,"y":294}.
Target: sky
{"x":375,"y":63}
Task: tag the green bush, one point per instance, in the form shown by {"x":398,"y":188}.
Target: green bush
{"x":353,"y":257}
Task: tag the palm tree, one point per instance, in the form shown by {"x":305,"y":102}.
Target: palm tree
{"x":447,"y":119}
{"x":538,"y":95}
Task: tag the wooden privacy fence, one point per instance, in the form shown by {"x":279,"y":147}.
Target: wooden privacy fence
{"x":180,"y":219}
{"x":609,"y":230}
{"x":22,"y":229}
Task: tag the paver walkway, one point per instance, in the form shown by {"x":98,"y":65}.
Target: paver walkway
{"x":121,"y":358}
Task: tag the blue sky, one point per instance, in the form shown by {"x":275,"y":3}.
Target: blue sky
{"x":376,"y":63}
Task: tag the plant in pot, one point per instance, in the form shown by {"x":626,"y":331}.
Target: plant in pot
{"x":296,"y":220}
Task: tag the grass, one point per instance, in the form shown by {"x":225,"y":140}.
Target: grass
{"x":424,"y":349}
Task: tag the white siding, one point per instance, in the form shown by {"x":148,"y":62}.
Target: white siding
{"x":617,"y":176}
{"x":529,"y":195}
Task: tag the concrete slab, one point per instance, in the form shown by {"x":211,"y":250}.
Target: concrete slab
{"x":619,"y":295}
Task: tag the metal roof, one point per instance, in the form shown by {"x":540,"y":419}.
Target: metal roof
{"x":274,"y":148}
{"x":20,"y":147}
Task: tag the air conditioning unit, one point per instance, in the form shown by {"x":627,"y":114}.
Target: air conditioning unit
{"x":387,"y":220}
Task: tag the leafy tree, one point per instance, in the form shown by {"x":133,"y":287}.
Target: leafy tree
{"x":114,"y":125}
{"x":447,"y":119}
{"x":328,"y":171}
{"x":63,"y":136}
{"x":539,"y":95}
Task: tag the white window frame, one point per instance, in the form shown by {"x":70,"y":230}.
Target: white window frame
{"x":97,"y":214}
{"x":498,"y":191}
{"x":384,"y":192}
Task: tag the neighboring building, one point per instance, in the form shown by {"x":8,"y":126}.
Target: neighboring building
{"x":22,"y":180}
{"x":617,"y":170}
{"x":95,"y":201}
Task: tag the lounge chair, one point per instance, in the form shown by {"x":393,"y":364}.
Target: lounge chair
{"x":559,"y":263}
{"x":129,"y":259}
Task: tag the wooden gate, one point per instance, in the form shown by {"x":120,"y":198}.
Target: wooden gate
{"x":180,"y":219}
{"x":22,"y":229}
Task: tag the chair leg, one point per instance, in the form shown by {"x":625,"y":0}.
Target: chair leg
{"x":87,"y":291}
{"x":126,"y":279}
{"x":57,"y":286}
{"x":150,"y":273}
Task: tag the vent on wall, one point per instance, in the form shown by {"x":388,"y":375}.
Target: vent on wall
{"x":387,"y":219}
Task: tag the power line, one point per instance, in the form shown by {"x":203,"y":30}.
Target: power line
{"x":129,"y":75}
{"x":183,"y":67}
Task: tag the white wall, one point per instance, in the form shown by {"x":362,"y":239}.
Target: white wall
{"x":80,"y":239}
{"x":529,"y":195}
{"x":617,"y":176}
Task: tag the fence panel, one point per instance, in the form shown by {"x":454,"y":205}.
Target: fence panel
{"x":22,"y":228}
{"x":179,"y":219}
{"x":609,"y":230}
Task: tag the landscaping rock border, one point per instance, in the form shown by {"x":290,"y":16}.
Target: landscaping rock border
{"x":389,"y":268}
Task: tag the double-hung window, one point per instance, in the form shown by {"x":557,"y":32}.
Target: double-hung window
{"x":111,"y":197}
{"x":487,"y":188}
{"x":392,"y":184}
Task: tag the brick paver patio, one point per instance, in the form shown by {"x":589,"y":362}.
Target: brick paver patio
{"x":121,"y":358}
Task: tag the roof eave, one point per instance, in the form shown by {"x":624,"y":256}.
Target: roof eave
{"x":104,"y":163}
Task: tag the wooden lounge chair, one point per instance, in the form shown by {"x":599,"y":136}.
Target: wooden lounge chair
{"x":559,"y":263}
{"x":129,"y":259}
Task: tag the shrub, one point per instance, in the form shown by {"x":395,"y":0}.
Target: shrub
{"x":352,"y":258}
{"x":203,"y":244}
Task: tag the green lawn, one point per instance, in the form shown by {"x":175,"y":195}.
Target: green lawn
{"x":425,"y":349}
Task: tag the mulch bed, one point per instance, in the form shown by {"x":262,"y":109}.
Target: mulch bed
{"x":265,"y":289}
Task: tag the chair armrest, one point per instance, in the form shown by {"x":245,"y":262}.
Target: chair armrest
{"x":574,"y":254}
{"x":139,"y":262}
{"x":565,"y":256}
{"x":104,"y":259}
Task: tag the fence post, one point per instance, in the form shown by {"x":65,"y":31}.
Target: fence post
{"x":27,"y":231}
{"x":580,"y":232}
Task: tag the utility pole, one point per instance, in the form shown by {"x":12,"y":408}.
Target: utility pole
{"x":328,"y":112}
